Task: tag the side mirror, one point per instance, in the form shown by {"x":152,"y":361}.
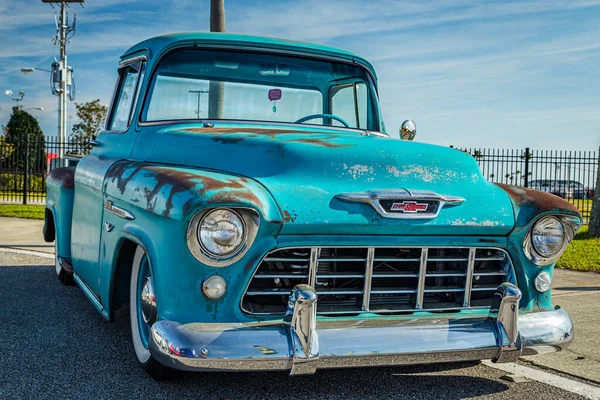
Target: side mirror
{"x":408,"y":130}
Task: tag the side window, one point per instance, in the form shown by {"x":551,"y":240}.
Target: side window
{"x":124,"y":98}
{"x":349,"y":102}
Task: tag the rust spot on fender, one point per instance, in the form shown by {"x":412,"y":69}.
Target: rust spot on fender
{"x":62,"y":177}
{"x":234,"y":196}
{"x":176,"y":181}
{"x":289,"y":216}
{"x":540,"y":201}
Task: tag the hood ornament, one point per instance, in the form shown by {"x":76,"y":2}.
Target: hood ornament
{"x":403,"y":203}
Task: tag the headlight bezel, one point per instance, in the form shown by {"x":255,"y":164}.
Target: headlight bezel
{"x":250,"y":221}
{"x":570,"y":226}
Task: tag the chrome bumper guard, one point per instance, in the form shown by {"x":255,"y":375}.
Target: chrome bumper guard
{"x":300,"y":345}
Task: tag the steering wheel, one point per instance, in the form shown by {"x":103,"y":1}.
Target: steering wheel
{"x":314,"y":116}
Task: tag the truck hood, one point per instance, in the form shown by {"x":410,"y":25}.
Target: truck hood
{"x":304,"y":170}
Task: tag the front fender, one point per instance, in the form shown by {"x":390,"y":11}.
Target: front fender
{"x":529,"y":205}
{"x":162,"y":201}
{"x":176,"y":192}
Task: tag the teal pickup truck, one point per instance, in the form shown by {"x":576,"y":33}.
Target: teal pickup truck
{"x":247,"y":205}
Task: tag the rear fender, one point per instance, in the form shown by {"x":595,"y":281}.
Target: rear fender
{"x":59,"y":202}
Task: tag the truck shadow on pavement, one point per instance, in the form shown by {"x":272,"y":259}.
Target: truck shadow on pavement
{"x":54,"y":344}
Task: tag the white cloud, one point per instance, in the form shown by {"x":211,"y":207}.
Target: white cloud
{"x":463,"y":69}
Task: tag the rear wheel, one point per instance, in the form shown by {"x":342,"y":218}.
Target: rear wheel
{"x":142,"y":309}
{"x":64,"y":276}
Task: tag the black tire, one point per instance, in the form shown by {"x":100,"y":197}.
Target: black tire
{"x":141,"y":265}
{"x":64,"y":276}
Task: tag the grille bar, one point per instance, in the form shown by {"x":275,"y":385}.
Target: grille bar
{"x":368,"y":279}
{"x":422,"y":275}
{"x":469,"y":281}
{"x":350,"y":280}
{"x":312,"y":270}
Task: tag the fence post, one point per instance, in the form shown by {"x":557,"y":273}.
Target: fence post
{"x":25,"y":174}
{"x":526,"y":180}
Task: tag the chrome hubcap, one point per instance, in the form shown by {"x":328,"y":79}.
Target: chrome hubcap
{"x":148,"y":302}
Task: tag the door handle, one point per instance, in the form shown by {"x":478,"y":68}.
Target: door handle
{"x":94,"y":142}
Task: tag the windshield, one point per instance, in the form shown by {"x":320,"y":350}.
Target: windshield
{"x":201,"y":84}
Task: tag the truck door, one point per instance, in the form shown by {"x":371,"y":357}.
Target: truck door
{"x":111,"y":145}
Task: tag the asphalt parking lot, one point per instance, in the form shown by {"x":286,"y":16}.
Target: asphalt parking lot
{"x":55,"y":345}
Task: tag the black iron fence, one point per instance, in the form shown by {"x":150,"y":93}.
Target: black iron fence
{"x":24,"y":165}
{"x":568,"y":174}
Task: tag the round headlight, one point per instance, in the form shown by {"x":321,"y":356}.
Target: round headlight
{"x":548,"y":236}
{"x":221,"y":233}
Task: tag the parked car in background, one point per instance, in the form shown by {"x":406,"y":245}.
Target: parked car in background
{"x":247,"y":204}
{"x":566,"y":189}
{"x":589,"y":192}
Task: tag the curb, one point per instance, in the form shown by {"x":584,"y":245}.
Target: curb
{"x":26,"y":252}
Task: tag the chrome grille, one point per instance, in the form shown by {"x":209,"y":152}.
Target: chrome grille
{"x":380,"y":279}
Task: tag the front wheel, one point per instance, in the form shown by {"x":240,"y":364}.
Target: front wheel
{"x":142,"y":308}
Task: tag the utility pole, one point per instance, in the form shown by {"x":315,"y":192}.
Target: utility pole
{"x":216,"y":89}
{"x":62,"y":74}
{"x":62,"y":93}
{"x":198,"y":93}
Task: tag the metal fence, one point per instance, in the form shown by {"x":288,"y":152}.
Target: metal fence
{"x":568,"y":174}
{"x":25,"y":164}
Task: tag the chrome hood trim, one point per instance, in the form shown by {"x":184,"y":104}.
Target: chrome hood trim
{"x":374,"y":198}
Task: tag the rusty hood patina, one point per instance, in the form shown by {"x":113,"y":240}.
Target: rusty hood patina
{"x":305,"y":168}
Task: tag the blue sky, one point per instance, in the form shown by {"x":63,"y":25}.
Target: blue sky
{"x":470,"y":73}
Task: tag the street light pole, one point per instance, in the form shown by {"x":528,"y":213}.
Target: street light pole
{"x":62,"y":92}
{"x":61,"y":72}
{"x":9,"y":93}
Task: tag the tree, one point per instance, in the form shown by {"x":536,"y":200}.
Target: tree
{"x":91,"y":116}
{"x":594,"y":227}
{"x":25,"y":136}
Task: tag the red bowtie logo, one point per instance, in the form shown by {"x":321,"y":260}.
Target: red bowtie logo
{"x":409,"y":207}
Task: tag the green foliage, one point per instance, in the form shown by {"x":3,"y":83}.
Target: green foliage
{"x":12,"y":182}
{"x":25,"y":136}
{"x":6,"y":150}
{"x":91,"y":116}
{"x":583,"y":254}
{"x":30,"y":211}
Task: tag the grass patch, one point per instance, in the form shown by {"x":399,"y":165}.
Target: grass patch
{"x":31,"y":211}
{"x":583,"y":254}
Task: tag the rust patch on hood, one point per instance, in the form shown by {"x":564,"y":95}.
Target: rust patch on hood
{"x":319,"y":142}
{"x":537,"y":200}
{"x":62,"y":177}
{"x":240,"y":135}
{"x":257,"y":131}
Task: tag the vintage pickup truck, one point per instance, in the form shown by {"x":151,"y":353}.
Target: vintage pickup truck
{"x":247,"y":204}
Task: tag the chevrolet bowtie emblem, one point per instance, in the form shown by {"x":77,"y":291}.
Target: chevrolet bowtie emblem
{"x":409,"y":207}
{"x":403,"y":203}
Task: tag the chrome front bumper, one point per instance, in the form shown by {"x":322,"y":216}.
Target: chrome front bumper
{"x":301,"y":345}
